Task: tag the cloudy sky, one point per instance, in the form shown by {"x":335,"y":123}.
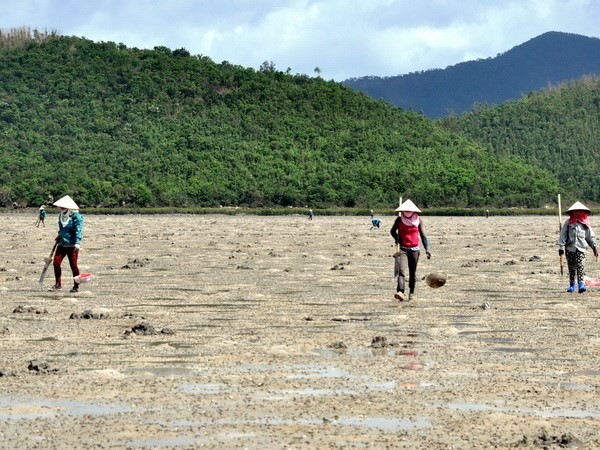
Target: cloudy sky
{"x":343,"y":38}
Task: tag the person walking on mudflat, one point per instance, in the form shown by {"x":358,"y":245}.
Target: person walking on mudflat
{"x":406,"y":231}
{"x":575,"y":236}
{"x":41,"y":216}
{"x":70,"y":234}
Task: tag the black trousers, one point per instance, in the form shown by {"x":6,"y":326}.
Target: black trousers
{"x":408,"y":266}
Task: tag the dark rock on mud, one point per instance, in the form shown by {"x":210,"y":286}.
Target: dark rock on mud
{"x":546,"y":440}
{"x":350,"y":319}
{"x":338,"y":345}
{"x":130,"y":315}
{"x":341,"y":266}
{"x":41,"y":367}
{"x":142,"y":329}
{"x":96,"y":313}
{"x":379,"y":342}
{"x":136,"y":263}
{"x":30,"y":309}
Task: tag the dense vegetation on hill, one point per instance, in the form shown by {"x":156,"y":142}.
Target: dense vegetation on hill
{"x":112,"y":125}
{"x":557,"y":128}
{"x":550,"y":58}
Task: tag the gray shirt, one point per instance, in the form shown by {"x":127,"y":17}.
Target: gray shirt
{"x":576,"y":237}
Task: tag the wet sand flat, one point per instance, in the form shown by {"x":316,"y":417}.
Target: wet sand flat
{"x":279,"y":332}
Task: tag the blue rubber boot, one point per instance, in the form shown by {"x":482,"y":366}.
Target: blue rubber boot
{"x":571,"y":288}
{"x":581,"y":287}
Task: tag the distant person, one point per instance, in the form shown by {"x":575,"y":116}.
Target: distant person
{"x":310,"y":214}
{"x":372,"y":213}
{"x":407,"y":231}
{"x":70,"y":234}
{"x":41,"y":216}
{"x":487,"y":213}
{"x":375,"y":224}
{"x":575,"y":236}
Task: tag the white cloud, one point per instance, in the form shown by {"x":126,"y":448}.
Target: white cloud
{"x":344,"y":38}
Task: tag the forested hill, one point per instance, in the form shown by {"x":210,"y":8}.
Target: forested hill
{"x":112,"y":125}
{"x":550,"y":58}
{"x":557,"y":128}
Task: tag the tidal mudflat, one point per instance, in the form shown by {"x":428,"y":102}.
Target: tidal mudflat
{"x":278,"y":332}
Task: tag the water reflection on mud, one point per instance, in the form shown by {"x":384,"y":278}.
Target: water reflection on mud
{"x":14,"y":408}
{"x":542,"y":412}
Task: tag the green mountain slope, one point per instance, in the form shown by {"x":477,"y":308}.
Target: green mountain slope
{"x":111,"y":125}
{"x":557,"y":129}
{"x":550,"y":58}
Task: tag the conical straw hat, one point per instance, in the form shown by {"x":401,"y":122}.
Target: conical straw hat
{"x":436,"y":279}
{"x":578,"y":206}
{"x":66,"y":202}
{"x":408,"y":206}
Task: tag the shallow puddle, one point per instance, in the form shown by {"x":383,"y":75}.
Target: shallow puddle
{"x":322,"y":371}
{"x":386,"y":424}
{"x":161,"y":371}
{"x":204,"y":388}
{"x":12,"y":408}
{"x":44,"y":339}
{"x":568,"y":385}
{"x":195,"y":305}
{"x":77,"y":353}
{"x":518,"y":350}
{"x":368,"y":351}
{"x":497,"y":340}
{"x":589,"y":373}
{"x":358,"y":388}
{"x":165,"y":442}
{"x":177,"y":345}
{"x":555,"y":412}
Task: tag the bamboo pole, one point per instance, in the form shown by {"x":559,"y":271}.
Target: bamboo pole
{"x":559,"y":230}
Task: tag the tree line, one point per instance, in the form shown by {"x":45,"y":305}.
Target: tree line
{"x":556,"y":129}
{"x":111,"y":126}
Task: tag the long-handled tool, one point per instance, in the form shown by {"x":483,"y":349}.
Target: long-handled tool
{"x":397,"y":254}
{"x":559,"y":231}
{"x":397,"y":261}
{"x":47,"y":261}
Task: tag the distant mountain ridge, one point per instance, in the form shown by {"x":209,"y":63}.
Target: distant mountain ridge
{"x":550,"y":58}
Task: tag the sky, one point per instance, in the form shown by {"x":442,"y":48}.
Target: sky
{"x":340,"y":38}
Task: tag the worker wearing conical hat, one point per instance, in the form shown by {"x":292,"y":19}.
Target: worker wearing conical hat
{"x":575,"y":236}
{"x":406,"y":231}
{"x":70,"y":234}
{"x":41,"y":216}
